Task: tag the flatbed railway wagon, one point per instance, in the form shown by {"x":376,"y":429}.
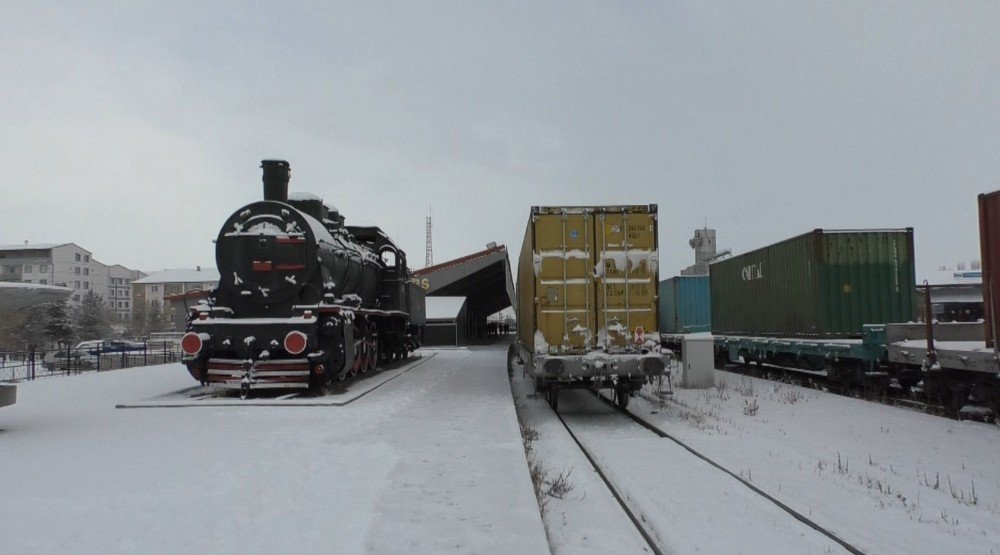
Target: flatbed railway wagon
{"x":818,"y":302}
{"x":959,"y":362}
{"x":587,"y":299}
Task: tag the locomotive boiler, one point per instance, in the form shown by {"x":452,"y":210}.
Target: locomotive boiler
{"x":302,"y":298}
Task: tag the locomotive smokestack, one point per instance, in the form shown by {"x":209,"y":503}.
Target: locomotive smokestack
{"x":276,"y":174}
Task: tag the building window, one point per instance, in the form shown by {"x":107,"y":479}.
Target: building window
{"x":43,"y":268}
{"x":77,"y":257}
{"x":155,"y":288}
{"x":76,"y":297}
{"x":76,"y":270}
{"x":86,"y":285}
{"x":43,"y":281}
{"x":86,"y":271}
{"x":126,"y":304}
{"x":86,"y":258}
{"x":76,"y":285}
{"x":27,"y":269}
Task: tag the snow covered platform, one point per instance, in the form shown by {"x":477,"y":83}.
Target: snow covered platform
{"x":430,"y":462}
{"x":208,"y":396}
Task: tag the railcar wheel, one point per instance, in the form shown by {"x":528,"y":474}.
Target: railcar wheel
{"x":552,"y":394}
{"x":622,"y":397}
{"x":959,"y":397}
{"x":373,"y":347}
{"x":359,"y":347}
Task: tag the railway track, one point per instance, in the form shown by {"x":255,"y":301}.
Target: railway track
{"x":627,"y":499}
{"x":637,"y":520}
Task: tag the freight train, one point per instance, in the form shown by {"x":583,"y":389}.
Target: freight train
{"x":841,"y":307}
{"x":303,"y":299}
{"x":586,"y":300}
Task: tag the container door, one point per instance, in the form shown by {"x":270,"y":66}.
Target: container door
{"x":563,"y":260}
{"x":626,"y":276}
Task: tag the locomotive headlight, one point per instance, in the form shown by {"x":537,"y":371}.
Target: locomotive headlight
{"x":192,"y":343}
{"x":295,"y":342}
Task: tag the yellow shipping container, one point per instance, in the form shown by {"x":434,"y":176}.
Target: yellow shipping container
{"x":587,"y":279}
{"x":587,"y":305}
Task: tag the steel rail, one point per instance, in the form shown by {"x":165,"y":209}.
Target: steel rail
{"x":653,"y":545}
{"x":795,"y":514}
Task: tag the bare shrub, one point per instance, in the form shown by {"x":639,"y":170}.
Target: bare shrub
{"x":750,"y":409}
{"x":843,"y":466}
{"x":959,"y":495}
{"x":937,"y":481}
{"x":528,"y":434}
{"x":792,"y":395}
{"x":538,"y":481}
{"x":721,"y":386}
{"x":559,"y":486}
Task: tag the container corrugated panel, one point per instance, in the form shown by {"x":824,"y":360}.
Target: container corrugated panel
{"x":989,"y":242}
{"x":685,"y":305}
{"x":587,"y":278}
{"x":823,"y":284}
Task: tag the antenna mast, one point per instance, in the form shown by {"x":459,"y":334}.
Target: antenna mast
{"x":429,"y":249}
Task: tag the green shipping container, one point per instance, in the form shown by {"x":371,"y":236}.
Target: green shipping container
{"x":823,"y":284}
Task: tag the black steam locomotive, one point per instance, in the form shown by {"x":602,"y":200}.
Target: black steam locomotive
{"x":302,"y":298}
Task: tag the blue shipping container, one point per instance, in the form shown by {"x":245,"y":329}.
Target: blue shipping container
{"x":685,"y":305}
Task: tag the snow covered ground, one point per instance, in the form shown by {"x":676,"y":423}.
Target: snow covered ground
{"x":885,"y":479}
{"x":430,"y":462}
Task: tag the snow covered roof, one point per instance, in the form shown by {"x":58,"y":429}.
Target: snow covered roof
{"x":181,"y":275}
{"x":301,"y":195}
{"x":462,"y":260}
{"x":31,"y":246}
{"x":951,"y":277}
{"x":443,"y":308}
{"x":14,"y":295}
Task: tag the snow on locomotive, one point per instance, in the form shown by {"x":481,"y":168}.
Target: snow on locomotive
{"x":302,"y":299}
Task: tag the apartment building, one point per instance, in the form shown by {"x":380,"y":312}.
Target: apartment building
{"x":120,"y":281}
{"x":169,"y":283}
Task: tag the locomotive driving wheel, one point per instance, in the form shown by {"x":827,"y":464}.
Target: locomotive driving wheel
{"x":372,"y":341}
{"x":359,"y":357}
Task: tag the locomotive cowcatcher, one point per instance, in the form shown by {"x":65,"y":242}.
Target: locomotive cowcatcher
{"x":302,"y":299}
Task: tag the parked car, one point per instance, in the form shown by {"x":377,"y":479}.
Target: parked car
{"x":110,"y":346}
{"x":67,"y":359}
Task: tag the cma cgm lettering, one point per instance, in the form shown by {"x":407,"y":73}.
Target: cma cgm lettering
{"x":753,"y":271}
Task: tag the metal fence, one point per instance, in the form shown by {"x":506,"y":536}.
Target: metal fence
{"x":28,"y":365}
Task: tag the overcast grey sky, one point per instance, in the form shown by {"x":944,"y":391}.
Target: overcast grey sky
{"x":135,"y":128}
